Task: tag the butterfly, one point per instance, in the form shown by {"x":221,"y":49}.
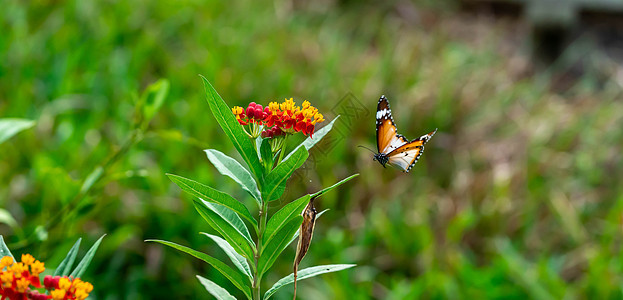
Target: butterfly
{"x":393,"y":148}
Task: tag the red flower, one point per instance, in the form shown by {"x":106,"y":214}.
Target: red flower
{"x":272,"y":132}
{"x":273,"y":115}
{"x":256,"y":113}
{"x":240,"y":116}
{"x":286,"y":116}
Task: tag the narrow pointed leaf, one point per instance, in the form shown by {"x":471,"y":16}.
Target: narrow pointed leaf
{"x":218,"y":292}
{"x":225,"y":117}
{"x":7,"y":218}
{"x":10,"y":127}
{"x":236,"y":278}
{"x":275,"y":182}
{"x":209,"y":194}
{"x":4,"y":250}
{"x":309,"y":142}
{"x":234,"y":170}
{"x":223,"y":220}
{"x":239,"y":261}
{"x":267,"y":155}
{"x":91,"y":179}
{"x":295,"y":208}
{"x":231,"y":218}
{"x":273,"y":249}
{"x":86,"y":260}
{"x":303,"y":274}
{"x":258,"y":144}
{"x":154,"y":97}
{"x":283,"y":216}
{"x":323,"y":191}
{"x":68,"y":262}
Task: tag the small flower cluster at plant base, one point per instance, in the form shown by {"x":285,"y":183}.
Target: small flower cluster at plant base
{"x":18,"y":277}
{"x":278,"y":119}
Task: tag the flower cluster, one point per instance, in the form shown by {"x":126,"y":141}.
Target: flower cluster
{"x":64,"y":288}
{"x":18,"y":277}
{"x":279,"y":118}
{"x":272,"y":132}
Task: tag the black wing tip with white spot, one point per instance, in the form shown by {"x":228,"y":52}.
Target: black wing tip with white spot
{"x":384,"y":105}
{"x":426,"y":137}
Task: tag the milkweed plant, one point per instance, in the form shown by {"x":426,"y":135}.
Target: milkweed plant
{"x":253,"y":243}
{"x":21,"y":280}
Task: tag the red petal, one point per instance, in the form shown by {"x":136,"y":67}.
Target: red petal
{"x":34,"y":280}
{"x":310,"y":129}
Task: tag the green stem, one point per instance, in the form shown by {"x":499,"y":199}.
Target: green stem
{"x":257,"y":277}
{"x":70,"y":208}
{"x":283,"y":150}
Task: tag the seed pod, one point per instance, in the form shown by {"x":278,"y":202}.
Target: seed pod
{"x":305,"y":236}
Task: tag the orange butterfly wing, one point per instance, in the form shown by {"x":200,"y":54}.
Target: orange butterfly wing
{"x":394,"y":149}
{"x":387,"y":138}
{"x":405,"y":156}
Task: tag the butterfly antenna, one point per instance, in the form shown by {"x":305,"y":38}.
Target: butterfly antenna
{"x":364,"y":147}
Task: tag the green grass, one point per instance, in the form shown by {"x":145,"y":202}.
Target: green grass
{"x":517,"y":195}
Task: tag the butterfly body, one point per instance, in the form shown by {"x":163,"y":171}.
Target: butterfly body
{"x":394,"y":148}
{"x":381,"y":158}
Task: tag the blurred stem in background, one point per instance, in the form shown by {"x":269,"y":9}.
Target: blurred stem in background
{"x":146,"y":106}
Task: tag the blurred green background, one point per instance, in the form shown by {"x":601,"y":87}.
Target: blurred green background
{"x":517,"y":196}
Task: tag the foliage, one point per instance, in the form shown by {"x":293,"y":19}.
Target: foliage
{"x":265,"y":183}
{"x":20,"y":280}
{"x":10,"y":127}
{"x":518,"y":192}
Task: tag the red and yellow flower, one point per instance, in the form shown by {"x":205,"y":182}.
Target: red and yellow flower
{"x":19,"y":280}
{"x":240,"y":115}
{"x":279,"y":119}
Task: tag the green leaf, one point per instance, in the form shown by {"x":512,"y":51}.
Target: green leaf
{"x":275,"y":182}
{"x":273,"y":249}
{"x":207,"y":193}
{"x":521,"y":271}
{"x":323,"y":191}
{"x":153,"y":98}
{"x":224,"y":116}
{"x":236,"y":278}
{"x":232,"y":218}
{"x":7,"y":218}
{"x":68,"y":262}
{"x":86,"y":260}
{"x":283,"y":216}
{"x":310,"y":142}
{"x":218,"y":292}
{"x":295,"y":208}
{"x":267,"y":155}
{"x":239,"y":261}
{"x":10,"y":127}
{"x":229,"y":225}
{"x":91,"y":179}
{"x":258,"y":144}
{"x":4,"y":250}
{"x":304,"y":274}
{"x":234,"y":170}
